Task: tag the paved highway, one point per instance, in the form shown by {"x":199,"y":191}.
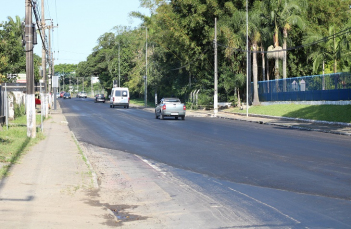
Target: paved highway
{"x":282,"y":177}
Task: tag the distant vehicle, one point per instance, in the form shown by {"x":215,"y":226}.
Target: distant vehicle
{"x":82,"y":94}
{"x":57,"y":95}
{"x":67,"y":95}
{"x":170,"y":107}
{"x":119,"y":97}
{"x":100,"y":98}
{"x":62,"y":93}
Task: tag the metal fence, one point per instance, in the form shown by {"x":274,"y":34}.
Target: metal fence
{"x":328,"y":87}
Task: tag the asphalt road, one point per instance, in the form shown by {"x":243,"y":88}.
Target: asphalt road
{"x":296,"y":178}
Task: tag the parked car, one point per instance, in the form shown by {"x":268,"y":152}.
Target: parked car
{"x":62,"y":93}
{"x":100,"y":98}
{"x":170,"y":107}
{"x":57,"y":95}
{"x":82,"y":94}
{"x":67,"y":95}
{"x":119,"y":97}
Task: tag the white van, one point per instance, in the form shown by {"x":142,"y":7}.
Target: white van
{"x":119,"y":97}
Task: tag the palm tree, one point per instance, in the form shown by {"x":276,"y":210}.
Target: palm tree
{"x":274,"y":52}
{"x":255,"y":30}
{"x":284,"y":14}
{"x":333,"y":49}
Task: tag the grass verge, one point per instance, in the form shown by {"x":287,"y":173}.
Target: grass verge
{"x":332,"y":113}
{"x":85,"y":159}
{"x":140,"y":102}
{"x":14,"y":142}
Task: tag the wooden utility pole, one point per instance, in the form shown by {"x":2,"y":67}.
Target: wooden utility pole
{"x":30,"y":96}
{"x":215,"y":103}
{"x":50,"y":57}
{"x":44,"y":103}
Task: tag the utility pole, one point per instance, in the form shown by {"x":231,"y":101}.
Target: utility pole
{"x":247,"y":59}
{"x":30,"y":97}
{"x":51,"y":68}
{"x":44,"y":105}
{"x":55,"y":88}
{"x":50,"y":58}
{"x":119,"y":65}
{"x":146,"y":70}
{"x":215,"y":103}
{"x":63,"y":80}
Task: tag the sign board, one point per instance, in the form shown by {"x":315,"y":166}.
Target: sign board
{"x":55,"y":81}
{"x":19,"y":87}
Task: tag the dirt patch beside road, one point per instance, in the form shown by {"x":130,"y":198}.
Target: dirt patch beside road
{"x":140,"y":193}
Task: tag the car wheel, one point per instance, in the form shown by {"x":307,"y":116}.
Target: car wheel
{"x":103,"y":102}
{"x":176,"y":117}
{"x":128,"y":107}
{"x":183,"y":117}
{"x":156,"y":116}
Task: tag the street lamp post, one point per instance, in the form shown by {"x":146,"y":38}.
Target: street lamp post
{"x":215,"y":102}
{"x":247,"y":59}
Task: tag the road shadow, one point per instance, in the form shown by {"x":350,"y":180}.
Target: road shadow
{"x":329,"y":113}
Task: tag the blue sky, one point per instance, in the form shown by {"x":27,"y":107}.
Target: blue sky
{"x":81,"y":23}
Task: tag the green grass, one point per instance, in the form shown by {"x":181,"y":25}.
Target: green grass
{"x":333,"y":113}
{"x":23,"y":120}
{"x":14,"y":142}
{"x":140,"y":102}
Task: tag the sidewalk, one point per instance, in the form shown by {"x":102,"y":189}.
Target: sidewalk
{"x":51,"y":185}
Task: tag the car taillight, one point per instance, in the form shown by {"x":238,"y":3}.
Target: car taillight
{"x":184,"y":107}
{"x":164,"y":107}
{"x":113,"y":99}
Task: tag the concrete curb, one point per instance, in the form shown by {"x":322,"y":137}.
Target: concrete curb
{"x":293,"y":119}
{"x":292,"y":126}
{"x":93,"y":173}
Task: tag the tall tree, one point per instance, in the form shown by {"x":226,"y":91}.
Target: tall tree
{"x":284,"y":14}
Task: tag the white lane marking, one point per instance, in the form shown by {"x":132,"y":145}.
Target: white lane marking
{"x":152,"y":165}
{"x":289,"y":217}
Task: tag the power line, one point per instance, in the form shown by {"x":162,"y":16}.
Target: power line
{"x":43,"y":39}
{"x":58,"y":47}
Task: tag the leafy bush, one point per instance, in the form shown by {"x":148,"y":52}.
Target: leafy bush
{"x":20,"y":110}
{"x":205,"y":99}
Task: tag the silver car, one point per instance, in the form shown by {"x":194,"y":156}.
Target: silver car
{"x":170,"y":107}
{"x":82,"y":94}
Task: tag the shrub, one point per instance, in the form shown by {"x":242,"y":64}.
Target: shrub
{"x":20,"y":110}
